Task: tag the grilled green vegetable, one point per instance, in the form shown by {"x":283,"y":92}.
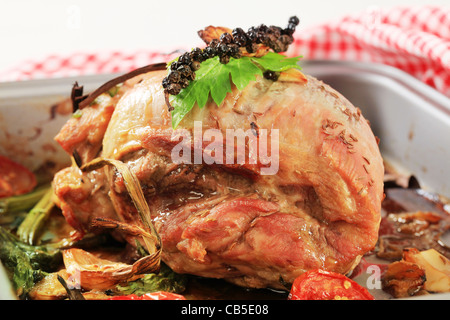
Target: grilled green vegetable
{"x":26,"y":264}
{"x":23,"y":202}
{"x":165,"y":280}
{"x":31,"y":226}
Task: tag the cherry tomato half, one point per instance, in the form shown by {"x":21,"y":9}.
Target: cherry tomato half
{"x":15,"y":179}
{"x":158,"y":295}
{"x":324,"y":285}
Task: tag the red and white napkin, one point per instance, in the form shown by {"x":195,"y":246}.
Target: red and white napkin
{"x":414,"y":39}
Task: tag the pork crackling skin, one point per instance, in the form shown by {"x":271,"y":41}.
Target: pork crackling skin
{"x":321,"y":209}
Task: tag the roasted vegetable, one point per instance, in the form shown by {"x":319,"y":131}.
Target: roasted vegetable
{"x":34,"y":221}
{"x":436,"y":266}
{"x":165,"y":280}
{"x":403,"y":279}
{"x":93,"y":273}
{"x":324,"y":285}
{"x":23,"y":202}
{"x":418,"y":272}
{"x":50,"y":287}
{"x":15,"y":179}
{"x":27,"y":264}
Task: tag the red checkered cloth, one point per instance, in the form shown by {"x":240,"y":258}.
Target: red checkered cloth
{"x":84,"y":63}
{"x":413,"y":39}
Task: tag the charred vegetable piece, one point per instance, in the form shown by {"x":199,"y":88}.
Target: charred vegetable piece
{"x":436,"y":266}
{"x":30,"y":228}
{"x":324,"y":285}
{"x":15,"y":179}
{"x":165,"y":280}
{"x":50,"y":287}
{"x":23,"y":202}
{"x":27,"y":264}
{"x":419,"y":229}
{"x":403,"y":279}
{"x":93,"y":273}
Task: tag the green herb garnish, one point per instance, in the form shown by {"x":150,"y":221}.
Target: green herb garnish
{"x":213,"y":79}
{"x":165,"y":280}
{"x":27,"y":264}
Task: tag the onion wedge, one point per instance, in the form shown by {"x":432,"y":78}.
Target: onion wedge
{"x":89,"y":272}
{"x":436,"y":266}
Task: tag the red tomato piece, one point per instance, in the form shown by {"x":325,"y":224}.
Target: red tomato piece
{"x":158,"y":295}
{"x":324,"y":285}
{"x":15,"y":179}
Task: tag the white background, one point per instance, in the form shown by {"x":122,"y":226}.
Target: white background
{"x":33,"y":29}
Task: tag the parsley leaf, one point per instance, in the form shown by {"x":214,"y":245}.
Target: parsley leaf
{"x":213,"y":79}
{"x":243,"y":71}
{"x":276,"y":62}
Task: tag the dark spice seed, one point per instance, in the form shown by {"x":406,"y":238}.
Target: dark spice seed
{"x":185,"y":58}
{"x":195,"y":65}
{"x":271,"y":75}
{"x":226,"y":38}
{"x":165,"y":82}
{"x":185,"y":71}
{"x":174,"y":88}
{"x":174,"y":77}
{"x":174,"y":65}
{"x":210,"y":52}
{"x":294,"y":20}
{"x":222,"y":49}
{"x":184,"y":83}
{"x":214,"y":43}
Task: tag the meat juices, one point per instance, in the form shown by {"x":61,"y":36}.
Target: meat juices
{"x":320,"y":210}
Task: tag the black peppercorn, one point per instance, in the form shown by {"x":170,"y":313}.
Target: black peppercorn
{"x":226,"y":38}
{"x":184,"y":82}
{"x":294,"y":20}
{"x":197,"y":55}
{"x":174,"y":65}
{"x":174,"y":76}
{"x":173,"y":89}
{"x":271,"y":75}
{"x":185,"y":71}
{"x":185,"y":58}
{"x":195,"y":65}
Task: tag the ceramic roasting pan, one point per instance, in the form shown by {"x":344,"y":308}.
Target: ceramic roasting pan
{"x":411,"y":119}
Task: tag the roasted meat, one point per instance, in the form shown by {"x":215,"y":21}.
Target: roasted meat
{"x":319,"y":207}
